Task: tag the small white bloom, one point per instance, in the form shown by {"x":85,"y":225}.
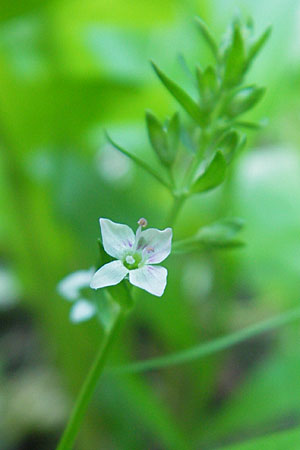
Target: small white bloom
{"x":71,"y":289}
{"x":82,"y":310}
{"x":135,"y":255}
{"x":70,"y":286}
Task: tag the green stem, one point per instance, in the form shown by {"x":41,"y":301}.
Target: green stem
{"x":88,"y":388}
{"x":176,"y":207}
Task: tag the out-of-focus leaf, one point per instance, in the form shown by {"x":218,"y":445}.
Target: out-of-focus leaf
{"x":244,"y":100}
{"x":221,"y":234}
{"x":173,"y":128}
{"x":278,"y":441}
{"x":183,"y":63}
{"x":188,"y":104}
{"x":235,"y":59}
{"x":206,"y":34}
{"x":207,"y":84}
{"x":157,"y":137}
{"x":242,"y":413}
{"x":164,"y":139}
{"x":257,"y":45}
{"x":213,"y":175}
{"x":252,"y":125}
{"x":229,"y":144}
{"x":139,"y":162}
{"x":216,"y":345}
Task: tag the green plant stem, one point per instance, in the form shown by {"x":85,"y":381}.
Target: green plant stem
{"x":208,"y":348}
{"x":176,"y":207}
{"x":88,"y":388}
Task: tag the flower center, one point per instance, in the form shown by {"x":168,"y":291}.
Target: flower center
{"x":132,"y":262}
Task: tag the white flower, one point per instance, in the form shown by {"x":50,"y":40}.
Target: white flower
{"x":71,"y":289}
{"x":135,"y":255}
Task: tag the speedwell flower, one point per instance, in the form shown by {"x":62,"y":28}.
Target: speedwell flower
{"x":135,"y":255}
{"x":74,"y":287}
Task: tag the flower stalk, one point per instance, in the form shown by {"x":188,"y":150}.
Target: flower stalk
{"x":175,"y":209}
{"x":69,"y":436}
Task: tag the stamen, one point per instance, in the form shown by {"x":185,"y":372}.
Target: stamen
{"x":146,"y":251}
{"x":142,"y":222}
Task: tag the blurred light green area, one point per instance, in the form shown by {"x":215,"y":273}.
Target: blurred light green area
{"x":69,"y":69}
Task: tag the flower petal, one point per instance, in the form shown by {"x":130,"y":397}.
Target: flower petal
{"x":158,"y":242}
{"x":117,"y":238}
{"x":69,"y":287}
{"x":109,"y":275}
{"x":151,"y":278}
{"x":82,"y":310}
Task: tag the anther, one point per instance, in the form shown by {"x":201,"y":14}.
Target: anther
{"x":142,"y":222}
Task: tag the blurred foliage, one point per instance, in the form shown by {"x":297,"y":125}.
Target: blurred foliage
{"x":68,"y":70}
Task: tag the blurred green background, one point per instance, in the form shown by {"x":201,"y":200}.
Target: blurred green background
{"x":69,"y":69}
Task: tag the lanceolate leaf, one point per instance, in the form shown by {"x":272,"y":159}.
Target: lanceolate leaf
{"x":244,"y":100}
{"x":208,"y":85}
{"x":174,"y":132}
{"x":211,"y":347}
{"x":251,"y":125}
{"x":139,"y":162}
{"x":203,"y":28}
{"x":188,"y":104}
{"x":221,"y":234}
{"x":213,"y":175}
{"x":258,"y":44}
{"x":235,"y":59}
{"x":164,"y":138}
{"x":288,"y":439}
{"x":228,"y":144}
{"x":157,"y":137}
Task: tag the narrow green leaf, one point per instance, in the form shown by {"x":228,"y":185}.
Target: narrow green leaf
{"x":255,"y":126}
{"x":244,"y":100}
{"x":209,"y":348}
{"x":213,"y":175}
{"x":173,"y":134}
{"x":288,"y":439}
{"x":228,"y":144}
{"x":158,"y":138}
{"x":184,"y":65}
{"x":139,"y":162}
{"x":221,"y":231}
{"x":221,"y":234}
{"x":235,"y":59}
{"x":188,"y":104}
{"x":208,"y":85}
{"x":206,"y":34}
{"x":258,"y":45}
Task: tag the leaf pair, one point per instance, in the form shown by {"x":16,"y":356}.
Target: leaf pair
{"x":240,"y":54}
